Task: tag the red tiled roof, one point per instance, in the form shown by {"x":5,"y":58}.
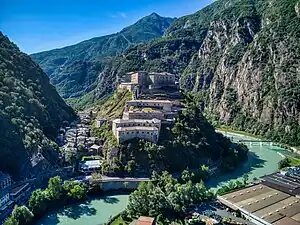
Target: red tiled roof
{"x":143,"y":220}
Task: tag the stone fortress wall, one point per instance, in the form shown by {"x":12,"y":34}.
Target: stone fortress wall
{"x":142,"y":118}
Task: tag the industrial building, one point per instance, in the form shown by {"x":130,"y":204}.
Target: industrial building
{"x":275,"y":200}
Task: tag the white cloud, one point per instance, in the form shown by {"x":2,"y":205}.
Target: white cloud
{"x":119,"y":15}
{"x":123,"y":15}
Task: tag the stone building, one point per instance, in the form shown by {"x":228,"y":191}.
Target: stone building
{"x":129,"y":129}
{"x":165,"y":105}
{"x":144,"y":114}
{"x":128,"y":86}
{"x":159,"y":80}
{"x":139,"y":78}
{"x":5,"y":180}
{"x":147,"y":133}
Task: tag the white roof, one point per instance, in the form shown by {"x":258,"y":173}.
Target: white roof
{"x":150,"y":101}
{"x":91,"y":164}
{"x":128,"y":83}
{"x":137,"y":128}
{"x":136,"y":121}
{"x":95,"y":147}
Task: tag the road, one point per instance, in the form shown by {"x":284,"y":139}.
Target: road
{"x":113,"y":179}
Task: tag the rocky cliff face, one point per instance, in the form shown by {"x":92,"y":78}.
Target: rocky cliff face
{"x":248,"y":70}
{"x":31,"y":112}
{"x":241,"y":57}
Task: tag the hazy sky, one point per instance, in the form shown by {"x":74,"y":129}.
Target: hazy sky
{"x":37,"y":25}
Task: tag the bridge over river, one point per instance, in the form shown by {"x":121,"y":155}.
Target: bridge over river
{"x":247,"y":140}
{"x":254,"y":142}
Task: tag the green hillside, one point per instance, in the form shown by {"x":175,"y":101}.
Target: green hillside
{"x":31,"y":111}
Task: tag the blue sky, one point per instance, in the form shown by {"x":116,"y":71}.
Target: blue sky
{"x":37,"y":25}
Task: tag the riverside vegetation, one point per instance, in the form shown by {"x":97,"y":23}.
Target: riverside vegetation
{"x":57,"y":194}
{"x":168,"y":199}
{"x":241,"y":56}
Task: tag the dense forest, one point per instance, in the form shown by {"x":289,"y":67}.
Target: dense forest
{"x":31,"y":112}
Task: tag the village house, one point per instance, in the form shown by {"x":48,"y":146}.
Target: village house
{"x":144,"y":220}
{"x":20,"y":193}
{"x":90,"y":166}
{"x":5,"y":180}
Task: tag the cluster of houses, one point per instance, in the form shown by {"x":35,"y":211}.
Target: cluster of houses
{"x":76,"y":138}
{"x":142,"y":118}
{"x":11,"y":194}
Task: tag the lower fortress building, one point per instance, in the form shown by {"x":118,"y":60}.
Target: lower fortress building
{"x":129,"y":129}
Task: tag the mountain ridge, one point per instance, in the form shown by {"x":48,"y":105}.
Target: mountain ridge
{"x":74,"y":69}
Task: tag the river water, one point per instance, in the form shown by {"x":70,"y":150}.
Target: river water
{"x":94,"y":212}
{"x":262,"y":160}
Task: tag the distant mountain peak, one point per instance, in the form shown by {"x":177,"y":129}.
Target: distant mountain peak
{"x":75,"y":77}
{"x":155,"y":14}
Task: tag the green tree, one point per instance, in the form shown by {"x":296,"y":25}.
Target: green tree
{"x":245,"y":178}
{"x":55,"y":188}
{"x":38,"y":202}
{"x":11,"y":221}
{"x":22,"y":214}
{"x":284,"y":163}
{"x":75,"y":190}
{"x":131,"y":165}
{"x":186,"y":176}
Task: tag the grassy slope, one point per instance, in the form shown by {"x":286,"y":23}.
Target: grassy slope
{"x":114,"y":106}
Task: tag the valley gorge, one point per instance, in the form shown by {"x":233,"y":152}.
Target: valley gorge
{"x":160,"y":120}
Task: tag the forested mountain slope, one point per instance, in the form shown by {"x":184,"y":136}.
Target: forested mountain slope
{"x":74,"y":69}
{"x":242,"y":57}
{"x":31,"y":111}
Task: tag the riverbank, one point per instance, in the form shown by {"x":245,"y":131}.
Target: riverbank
{"x":294,"y":149}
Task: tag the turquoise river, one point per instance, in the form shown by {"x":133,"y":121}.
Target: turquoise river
{"x":262,"y":160}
